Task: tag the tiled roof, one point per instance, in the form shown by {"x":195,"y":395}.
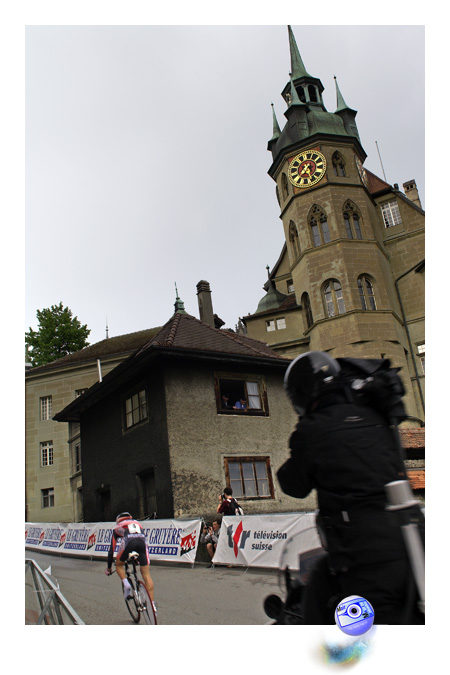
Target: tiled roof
{"x":416,"y":478}
{"x":121,"y":344}
{"x":412,"y":438}
{"x":375,"y":184}
{"x":185,"y":332}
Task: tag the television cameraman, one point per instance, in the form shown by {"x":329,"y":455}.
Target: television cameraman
{"x":347,"y":450}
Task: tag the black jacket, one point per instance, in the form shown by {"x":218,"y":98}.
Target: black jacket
{"x":347,"y":453}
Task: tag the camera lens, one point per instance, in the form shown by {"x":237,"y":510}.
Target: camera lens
{"x":354,"y":611}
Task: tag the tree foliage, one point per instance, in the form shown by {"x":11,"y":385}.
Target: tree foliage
{"x":59,"y":333}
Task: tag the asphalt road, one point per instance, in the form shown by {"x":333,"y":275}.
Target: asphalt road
{"x":184,"y":595}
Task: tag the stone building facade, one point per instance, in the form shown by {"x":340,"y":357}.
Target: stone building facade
{"x":53,"y":476}
{"x":157,"y":437}
{"x":350,"y":277}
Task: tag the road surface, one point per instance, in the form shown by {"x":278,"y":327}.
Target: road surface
{"x":184,"y":595}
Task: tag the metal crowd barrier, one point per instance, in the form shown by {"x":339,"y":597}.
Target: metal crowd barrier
{"x":45,"y":605}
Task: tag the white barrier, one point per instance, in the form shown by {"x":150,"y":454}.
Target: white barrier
{"x":244,"y":540}
{"x":259,"y":540}
{"x":166,"y":539}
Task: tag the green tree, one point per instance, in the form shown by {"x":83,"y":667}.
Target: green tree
{"x":60,"y":333}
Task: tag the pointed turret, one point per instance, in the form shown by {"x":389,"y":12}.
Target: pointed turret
{"x":308,"y":119}
{"x":179,"y":304}
{"x":297,"y":67}
{"x":276,"y":130}
{"x":345,"y":113}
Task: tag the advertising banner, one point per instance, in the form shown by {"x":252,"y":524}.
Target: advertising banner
{"x":175,"y":540}
{"x":259,"y":540}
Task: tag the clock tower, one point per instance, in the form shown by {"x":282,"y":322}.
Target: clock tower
{"x":350,"y":277}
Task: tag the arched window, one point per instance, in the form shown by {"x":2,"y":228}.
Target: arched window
{"x":284,"y":186}
{"x":338,"y":164}
{"x":312,"y":93}
{"x":319,"y":226}
{"x":352,"y":221}
{"x":293,"y":238}
{"x":366,"y":294}
{"x":334,"y":299}
{"x":308,"y":311}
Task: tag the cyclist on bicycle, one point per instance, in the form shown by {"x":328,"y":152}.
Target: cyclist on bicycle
{"x":128,"y":535}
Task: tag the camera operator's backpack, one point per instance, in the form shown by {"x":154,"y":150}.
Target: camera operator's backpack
{"x":238,"y":510}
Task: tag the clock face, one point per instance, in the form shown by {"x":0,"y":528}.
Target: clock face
{"x":307,"y":168}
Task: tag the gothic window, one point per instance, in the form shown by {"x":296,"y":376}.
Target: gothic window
{"x":334,"y":299}
{"x":284,"y":186}
{"x":338,"y":164}
{"x":293,"y":238}
{"x":319,"y":226}
{"x":308,"y":311}
{"x":352,"y":221}
{"x":366,"y":294}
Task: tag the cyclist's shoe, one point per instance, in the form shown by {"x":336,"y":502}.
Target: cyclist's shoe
{"x":126,"y":589}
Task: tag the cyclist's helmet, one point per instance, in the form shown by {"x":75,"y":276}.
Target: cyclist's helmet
{"x":309,"y":377}
{"x":123,"y":516}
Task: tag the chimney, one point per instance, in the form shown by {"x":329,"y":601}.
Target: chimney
{"x":205,"y":303}
{"x":412,"y":192}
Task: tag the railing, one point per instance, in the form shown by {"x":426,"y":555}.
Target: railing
{"x":45,"y":605}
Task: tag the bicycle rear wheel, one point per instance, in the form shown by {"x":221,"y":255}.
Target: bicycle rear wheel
{"x":148,"y":611}
{"x":133,"y":607}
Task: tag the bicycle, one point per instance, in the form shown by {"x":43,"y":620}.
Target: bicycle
{"x":139,"y":602}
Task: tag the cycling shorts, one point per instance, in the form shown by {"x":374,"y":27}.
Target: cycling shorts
{"x":137,"y":544}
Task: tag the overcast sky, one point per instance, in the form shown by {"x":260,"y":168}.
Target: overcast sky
{"x":146,"y":157}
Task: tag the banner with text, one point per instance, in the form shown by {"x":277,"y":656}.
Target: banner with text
{"x":175,"y":540}
{"x":260,"y":540}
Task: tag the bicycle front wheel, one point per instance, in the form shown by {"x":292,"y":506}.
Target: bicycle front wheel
{"x":148,"y":609}
{"x":133,"y":607}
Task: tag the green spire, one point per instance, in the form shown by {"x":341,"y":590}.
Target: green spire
{"x":276,"y":128}
{"x":179,"y":304}
{"x":340,"y":103}
{"x":297,"y":67}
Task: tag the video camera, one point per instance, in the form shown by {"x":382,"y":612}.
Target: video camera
{"x":374,"y":383}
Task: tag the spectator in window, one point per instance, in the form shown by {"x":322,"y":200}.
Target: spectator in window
{"x":226,"y":405}
{"x":240,"y":405}
{"x":210,"y":537}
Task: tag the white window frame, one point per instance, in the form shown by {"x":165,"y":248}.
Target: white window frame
{"x":47,"y":457}
{"x":46,"y":408}
{"x":391,"y":213}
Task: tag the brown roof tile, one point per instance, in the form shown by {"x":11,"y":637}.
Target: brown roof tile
{"x":121,"y":344}
{"x":375,"y":184}
{"x":185,"y":332}
{"x":416,"y":478}
{"x":412,"y":438}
